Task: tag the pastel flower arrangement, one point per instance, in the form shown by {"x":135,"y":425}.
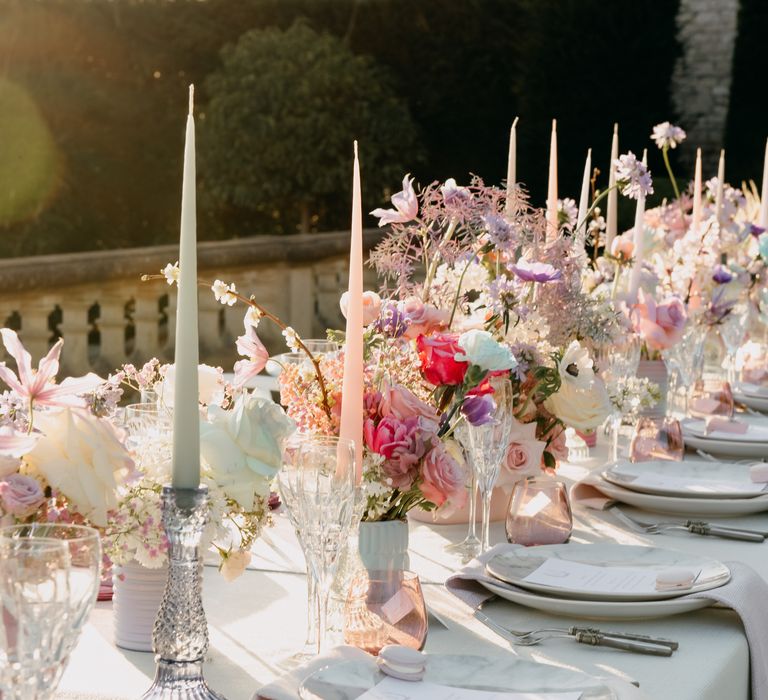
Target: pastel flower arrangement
{"x":65,"y":456}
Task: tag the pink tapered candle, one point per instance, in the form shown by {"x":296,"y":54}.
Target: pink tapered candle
{"x":696,"y":223}
{"x":352,"y":386}
{"x":552,"y":226}
{"x":511,"y":167}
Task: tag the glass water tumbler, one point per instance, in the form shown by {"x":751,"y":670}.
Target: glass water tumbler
{"x":657,"y":438}
{"x":385,"y":607}
{"x":539,"y":513}
{"x":711,"y":397}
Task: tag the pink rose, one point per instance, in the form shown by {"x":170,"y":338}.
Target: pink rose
{"x":20,"y":495}
{"x":443,"y":479}
{"x":438,"y":359}
{"x":660,"y":325}
{"x":401,"y":443}
{"x":422,"y":318}
{"x":401,"y":403}
{"x":371,"y":306}
{"x":524,"y":455}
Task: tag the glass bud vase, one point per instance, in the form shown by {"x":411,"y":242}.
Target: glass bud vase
{"x":539,"y":513}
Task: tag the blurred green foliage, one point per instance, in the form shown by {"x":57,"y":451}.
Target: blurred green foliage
{"x":109,"y":79}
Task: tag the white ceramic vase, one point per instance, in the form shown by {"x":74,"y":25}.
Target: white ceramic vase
{"x":137,"y":595}
{"x":383,"y":546}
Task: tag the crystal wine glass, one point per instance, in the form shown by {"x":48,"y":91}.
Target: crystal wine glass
{"x":486,"y":447}
{"x":469,"y":547}
{"x":34,"y":616}
{"x":686,"y":358}
{"x":149,"y":428}
{"x":326,"y":498}
{"x":733,"y":331}
{"x":83,"y":547}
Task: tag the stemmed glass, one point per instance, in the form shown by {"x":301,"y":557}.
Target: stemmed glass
{"x":616,"y":363}
{"x":469,"y":547}
{"x":685,"y":359}
{"x":83,"y":546}
{"x":149,"y":428}
{"x":733,"y":330}
{"x":322,"y":497}
{"x":486,"y":447}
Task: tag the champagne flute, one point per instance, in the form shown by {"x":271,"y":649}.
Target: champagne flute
{"x":487,"y":446}
{"x":469,"y":547}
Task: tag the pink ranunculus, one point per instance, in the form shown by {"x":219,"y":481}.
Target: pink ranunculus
{"x":623,"y":247}
{"x":20,"y":495}
{"x":401,"y":403}
{"x":371,"y":306}
{"x":660,"y":325}
{"x":401,"y":443}
{"x":422,"y":318}
{"x":443,"y":479}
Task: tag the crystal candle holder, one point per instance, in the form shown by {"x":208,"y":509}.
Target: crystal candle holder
{"x":180,"y":634}
{"x":711,"y":397}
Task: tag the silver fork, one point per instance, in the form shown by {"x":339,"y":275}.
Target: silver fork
{"x":583,"y":635}
{"x":696,"y":527}
{"x":712,"y":458}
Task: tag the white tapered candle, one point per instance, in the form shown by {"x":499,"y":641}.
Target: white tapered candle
{"x":696,"y":223}
{"x":584,"y":201}
{"x":552,"y":224}
{"x":763,"y":221}
{"x":639,"y":241}
{"x":186,"y":414}
{"x":720,"y":187}
{"x":611,"y":215}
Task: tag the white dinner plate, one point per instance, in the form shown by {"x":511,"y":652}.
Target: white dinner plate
{"x":688,"y":479}
{"x":757,"y":402}
{"x":685,"y":507}
{"x":598,"y":609}
{"x":754,"y":390}
{"x":516,"y":565}
{"x":348,"y":680}
{"x":757,"y":431}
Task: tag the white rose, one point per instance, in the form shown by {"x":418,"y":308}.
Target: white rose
{"x":482,"y":349}
{"x":576,"y":368}
{"x":210,"y":383}
{"x":242,"y":447}
{"x":81,"y":456}
{"x":234,"y":564}
{"x":582,"y":409}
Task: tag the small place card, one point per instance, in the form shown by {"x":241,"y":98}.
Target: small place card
{"x":397,"y":607}
{"x":595,"y":579}
{"x":393,"y":689}
{"x":676,"y":483}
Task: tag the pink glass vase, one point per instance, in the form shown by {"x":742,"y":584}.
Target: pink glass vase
{"x":657,"y":438}
{"x":539,"y":513}
{"x":385,"y":607}
{"x":711,"y":397}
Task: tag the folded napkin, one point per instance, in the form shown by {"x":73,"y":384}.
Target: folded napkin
{"x":287,"y":686}
{"x":720,"y":424}
{"x":745,"y":594}
{"x":588,"y":494}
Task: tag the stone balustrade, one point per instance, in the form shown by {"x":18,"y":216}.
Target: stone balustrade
{"x":108,"y":316}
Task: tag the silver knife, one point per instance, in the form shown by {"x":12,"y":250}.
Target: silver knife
{"x":704,"y":523}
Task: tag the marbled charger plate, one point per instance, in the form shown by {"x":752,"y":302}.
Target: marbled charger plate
{"x":348,"y":680}
{"x":597,"y":609}
{"x":756,"y":399}
{"x":513,"y":567}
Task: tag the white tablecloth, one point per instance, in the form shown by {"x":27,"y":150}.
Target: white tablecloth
{"x":258,"y":621}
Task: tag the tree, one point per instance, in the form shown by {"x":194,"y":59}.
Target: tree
{"x":283,"y":110}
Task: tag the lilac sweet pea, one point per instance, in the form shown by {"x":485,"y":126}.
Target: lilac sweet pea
{"x":478,"y":410}
{"x":406,"y":206}
{"x":721,"y":275}
{"x":535,"y":271}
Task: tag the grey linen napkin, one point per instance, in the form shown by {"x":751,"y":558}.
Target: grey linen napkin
{"x":746,"y":594}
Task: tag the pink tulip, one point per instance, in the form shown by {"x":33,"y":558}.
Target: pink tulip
{"x":371,"y":306}
{"x":401,"y":403}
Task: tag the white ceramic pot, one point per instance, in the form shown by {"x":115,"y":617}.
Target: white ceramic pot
{"x":137,"y":595}
{"x":383,"y":546}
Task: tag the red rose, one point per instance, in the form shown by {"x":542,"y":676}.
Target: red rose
{"x":438,"y":359}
